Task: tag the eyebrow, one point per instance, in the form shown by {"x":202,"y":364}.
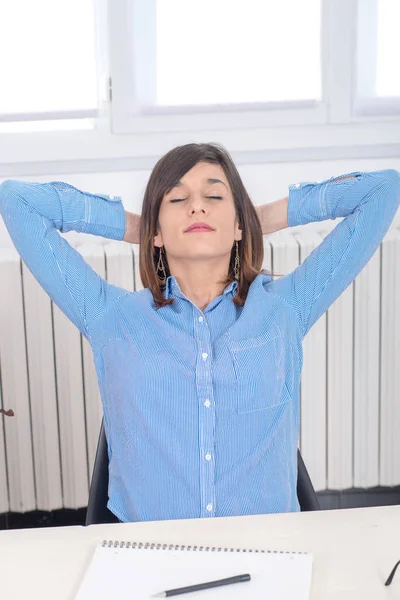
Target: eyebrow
{"x":209,"y":180}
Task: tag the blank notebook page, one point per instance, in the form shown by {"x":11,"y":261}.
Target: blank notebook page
{"x":131,"y":573}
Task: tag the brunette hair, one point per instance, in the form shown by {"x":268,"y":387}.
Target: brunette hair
{"x":166,"y":173}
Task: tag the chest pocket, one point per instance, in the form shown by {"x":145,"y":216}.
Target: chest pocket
{"x":259,"y":371}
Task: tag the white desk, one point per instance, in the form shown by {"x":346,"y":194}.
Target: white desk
{"x":354,"y":550}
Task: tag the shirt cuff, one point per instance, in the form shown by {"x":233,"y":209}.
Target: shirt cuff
{"x":309,"y":203}
{"x":97,"y":214}
{"x":105,"y":216}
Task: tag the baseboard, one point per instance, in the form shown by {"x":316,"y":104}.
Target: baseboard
{"x":328,"y":499}
{"x":41,"y":518}
{"x":358,"y":497}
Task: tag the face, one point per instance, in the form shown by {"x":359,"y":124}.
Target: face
{"x":203,"y":194}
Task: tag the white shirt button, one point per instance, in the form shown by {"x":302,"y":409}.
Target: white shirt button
{"x":201,"y":319}
{"x":207,"y":403}
{"x":209,"y":507}
{"x":208,"y":456}
{"x":204,"y":355}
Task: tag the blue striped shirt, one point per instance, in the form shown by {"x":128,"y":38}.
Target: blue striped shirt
{"x":201,"y":409}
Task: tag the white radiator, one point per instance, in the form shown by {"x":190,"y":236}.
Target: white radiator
{"x":350,"y":390}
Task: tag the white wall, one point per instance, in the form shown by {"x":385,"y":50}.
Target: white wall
{"x":265,"y":182}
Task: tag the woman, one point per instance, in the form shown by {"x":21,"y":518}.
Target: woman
{"x":199,"y":372}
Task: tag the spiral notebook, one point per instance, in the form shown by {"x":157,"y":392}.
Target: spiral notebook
{"x":138,"y":571}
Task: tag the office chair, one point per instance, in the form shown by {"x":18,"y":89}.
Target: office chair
{"x":97,"y":511}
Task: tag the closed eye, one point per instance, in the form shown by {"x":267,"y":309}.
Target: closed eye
{"x":213,"y":197}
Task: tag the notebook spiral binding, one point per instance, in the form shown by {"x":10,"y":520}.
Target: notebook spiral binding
{"x":154,"y":546}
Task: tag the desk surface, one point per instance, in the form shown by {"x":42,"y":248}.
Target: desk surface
{"x":354,"y":550}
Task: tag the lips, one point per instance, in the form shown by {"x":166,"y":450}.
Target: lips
{"x":198,"y":227}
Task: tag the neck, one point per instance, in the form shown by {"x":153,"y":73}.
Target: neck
{"x":199,"y":282}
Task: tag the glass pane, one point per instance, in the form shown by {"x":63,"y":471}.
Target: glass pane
{"x":388,"y":73}
{"x":48,"y":58}
{"x":228,"y":51}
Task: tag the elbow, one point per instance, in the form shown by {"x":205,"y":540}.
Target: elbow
{"x":8,"y":185}
{"x":391,"y":181}
{"x":8,"y":188}
{"x":11,"y":195}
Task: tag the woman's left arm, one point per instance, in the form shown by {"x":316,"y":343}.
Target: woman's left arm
{"x":368,"y":202}
{"x":273,"y":216}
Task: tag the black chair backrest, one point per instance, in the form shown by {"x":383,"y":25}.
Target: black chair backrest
{"x":97,"y":511}
{"x":306,"y":495}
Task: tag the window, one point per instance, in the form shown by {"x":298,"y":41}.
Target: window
{"x":378,"y":52}
{"x":229,"y":51}
{"x":388,"y":48}
{"x":270,"y":79}
{"x":215,"y":64}
{"x":48,"y":69}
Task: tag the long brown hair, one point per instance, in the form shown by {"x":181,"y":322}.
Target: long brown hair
{"x":166,"y":173}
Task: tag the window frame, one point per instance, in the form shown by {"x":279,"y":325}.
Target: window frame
{"x":366,"y":104}
{"x":127,"y":69}
{"x":334,"y":128}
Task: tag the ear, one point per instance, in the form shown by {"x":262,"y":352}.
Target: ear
{"x":158,"y":241}
{"x":238,"y":232}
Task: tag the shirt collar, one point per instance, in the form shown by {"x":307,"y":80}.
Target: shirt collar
{"x":172,"y":287}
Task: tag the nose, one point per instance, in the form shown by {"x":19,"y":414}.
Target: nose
{"x":197,"y":205}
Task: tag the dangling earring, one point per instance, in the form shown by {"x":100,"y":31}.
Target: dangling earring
{"x":236,"y":268}
{"x":161,"y":268}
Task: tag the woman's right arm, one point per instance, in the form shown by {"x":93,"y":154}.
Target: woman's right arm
{"x":132,"y":232}
{"x":34,"y":213}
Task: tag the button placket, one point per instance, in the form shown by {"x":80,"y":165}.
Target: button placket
{"x":206,"y":417}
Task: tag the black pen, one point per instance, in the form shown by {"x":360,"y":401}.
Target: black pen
{"x":203,"y":586}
